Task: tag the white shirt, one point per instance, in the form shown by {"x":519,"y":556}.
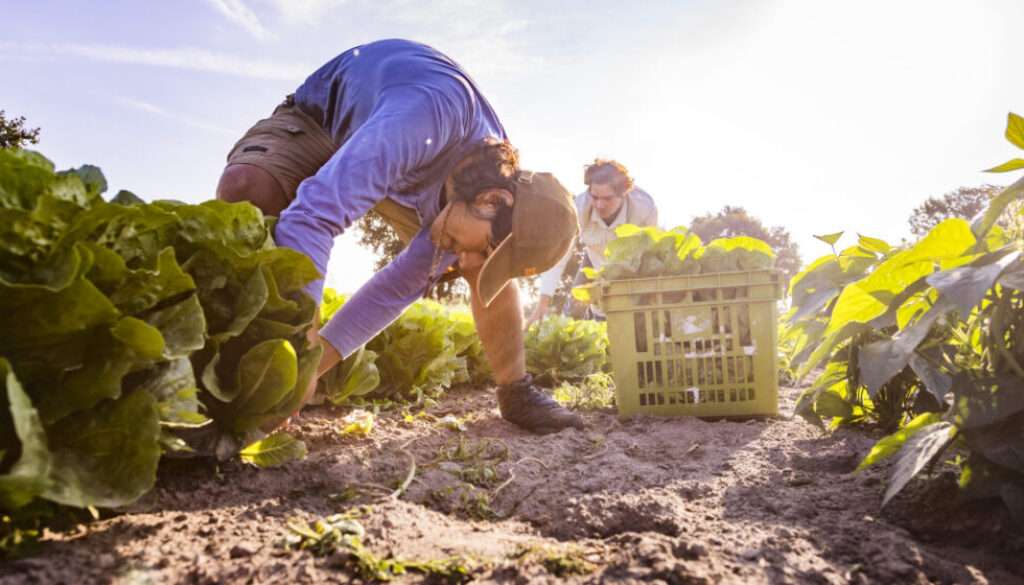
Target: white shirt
{"x":637,"y":209}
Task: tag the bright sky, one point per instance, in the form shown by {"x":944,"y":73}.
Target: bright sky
{"x":816,"y":115}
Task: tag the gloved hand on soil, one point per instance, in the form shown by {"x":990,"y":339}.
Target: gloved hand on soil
{"x":522,"y":403}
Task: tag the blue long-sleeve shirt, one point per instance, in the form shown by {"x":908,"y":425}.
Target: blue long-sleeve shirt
{"x":403,"y":115}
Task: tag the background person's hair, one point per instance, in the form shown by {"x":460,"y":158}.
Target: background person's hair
{"x":608,"y":172}
{"x":492,"y":164}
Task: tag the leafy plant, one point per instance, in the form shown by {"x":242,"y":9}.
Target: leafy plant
{"x":427,"y":350}
{"x":594,"y":392}
{"x":561,"y":348}
{"x":122,"y":322}
{"x":927,"y":341}
{"x":650,"y":252}
{"x":341,"y":531}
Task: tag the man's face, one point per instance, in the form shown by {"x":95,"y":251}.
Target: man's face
{"x":461,"y":229}
{"x":606,"y":201}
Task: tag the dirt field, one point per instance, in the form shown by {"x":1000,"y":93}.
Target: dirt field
{"x":643,"y":500}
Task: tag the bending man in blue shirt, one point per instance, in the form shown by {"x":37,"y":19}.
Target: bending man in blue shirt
{"x":398,"y":127}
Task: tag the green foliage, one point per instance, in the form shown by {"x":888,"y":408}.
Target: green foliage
{"x":650,"y":252}
{"x":123,"y":322}
{"x":340,"y":531}
{"x":925,"y":340}
{"x":427,"y":350}
{"x":14,"y":134}
{"x":595,"y":392}
{"x":561,"y":348}
{"x":431,"y":348}
{"x":275,"y":450}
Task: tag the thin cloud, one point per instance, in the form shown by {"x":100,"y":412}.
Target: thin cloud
{"x":480,"y":34}
{"x":187,"y":58}
{"x":237,"y":12}
{"x":183,"y":118}
{"x":304,"y":12}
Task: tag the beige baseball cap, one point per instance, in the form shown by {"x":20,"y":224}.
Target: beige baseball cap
{"x":544,"y":226}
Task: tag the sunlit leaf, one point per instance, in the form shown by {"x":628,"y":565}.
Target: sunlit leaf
{"x":830,"y":239}
{"x":892,"y":443}
{"x":1015,"y":130}
{"x":967,"y":285}
{"x":275,"y":450}
{"x":918,"y":451}
{"x":873,"y":244}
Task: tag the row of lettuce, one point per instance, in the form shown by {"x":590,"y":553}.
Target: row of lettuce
{"x":927,"y":342}
{"x":130,"y":331}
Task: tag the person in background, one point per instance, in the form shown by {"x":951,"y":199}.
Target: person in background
{"x":399,"y":127}
{"x":611,"y":200}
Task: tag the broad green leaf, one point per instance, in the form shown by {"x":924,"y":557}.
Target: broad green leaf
{"x":980,"y":403}
{"x":831,"y":341}
{"x":275,"y":450}
{"x":173,"y":385}
{"x":356,"y":375}
{"x":937,"y":382}
{"x":830,"y":239}
{"x":106,"y":456}
{"x":309,"y":361}
{"x":892,"y":443}
{"x":873,"y":244}
{"x":1015,"y":130}
{"x":1013,"y":276}
{"x":27,"y":478}
{"x":967,"y":285}
{"x":949,"y":239}
{"x":124,"y":197}
{"x":27,"y":318}
{"x":831,"y":405}
{"x":918,"y":451}
{"x":134,"y":291}
{"x":1001,"y":442}
{"x":248,"y":304}
{"x":883,"y":359}
{"x":1010,"y":165}
{"x":874,"y":295}
{"x":834,"y":377}
{"x":182,"y":325}
{"x":92,"y":177}
{"x":141,"y":337}
{"x":265,"y":374}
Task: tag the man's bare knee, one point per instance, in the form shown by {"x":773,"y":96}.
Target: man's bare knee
{"x":244,"y":182}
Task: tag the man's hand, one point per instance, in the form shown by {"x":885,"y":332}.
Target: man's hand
{"x":328,"y":359}
{"x":538,"y":312}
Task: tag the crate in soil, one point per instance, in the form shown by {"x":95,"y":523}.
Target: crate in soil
{"x":702,"y":345}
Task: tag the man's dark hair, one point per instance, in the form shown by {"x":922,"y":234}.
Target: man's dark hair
{"x":492,"y":164}
{"x":608,"y":172}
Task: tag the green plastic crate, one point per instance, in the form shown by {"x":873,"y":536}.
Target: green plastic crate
{"x":702,"y":345}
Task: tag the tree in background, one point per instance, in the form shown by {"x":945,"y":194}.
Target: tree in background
{"x":965,"y":203}
{"x":735,"y":221}
{"x":13,"y":133}
{"x":377,"y":235}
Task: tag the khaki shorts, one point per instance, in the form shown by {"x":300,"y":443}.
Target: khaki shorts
{"x":292,"y":146}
